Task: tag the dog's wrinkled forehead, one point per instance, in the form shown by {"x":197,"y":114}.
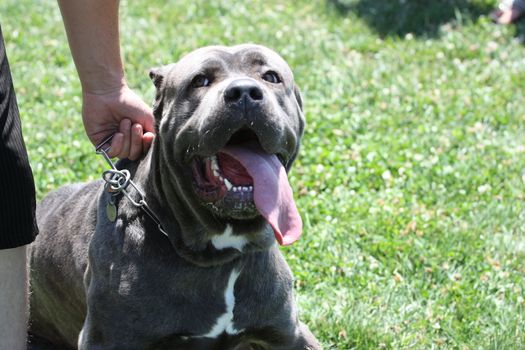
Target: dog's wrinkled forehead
{"x":241,"y":59}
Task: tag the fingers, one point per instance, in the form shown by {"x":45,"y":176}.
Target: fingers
{"x":147,"y":140}
{"x":123,"y":114}
{"x":135,"y":149}
{"x":125,"y":129}
{"x":116,"y":145}
{"x":131,"y":141}
{"x":138,"y":111}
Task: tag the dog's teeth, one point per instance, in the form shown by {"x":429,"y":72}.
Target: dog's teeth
{"x":228,"y":184}
{"x":221,"y":178}
{"x":216,"y":173}
{"x":214,"y":164}
{"x":250,"y":188}
{"x":245,"y":189}
{"x":235,"y":189}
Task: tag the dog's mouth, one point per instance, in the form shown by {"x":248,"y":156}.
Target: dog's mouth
{"x":223,"y":181}
{"x":243,"y":182}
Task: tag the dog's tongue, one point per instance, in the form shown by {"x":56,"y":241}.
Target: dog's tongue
{"x":272,"y":193}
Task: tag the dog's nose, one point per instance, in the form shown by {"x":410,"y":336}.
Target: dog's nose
{"x":243,"y":90}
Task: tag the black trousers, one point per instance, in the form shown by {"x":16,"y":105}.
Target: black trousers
{"x":17,"y":189}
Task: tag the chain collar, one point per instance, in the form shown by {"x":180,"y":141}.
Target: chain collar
{"x":118,"y":181}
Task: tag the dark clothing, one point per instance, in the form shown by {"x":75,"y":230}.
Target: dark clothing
{"x":17,"y":188}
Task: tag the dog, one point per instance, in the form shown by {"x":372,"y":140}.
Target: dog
{"x":209,"y":273}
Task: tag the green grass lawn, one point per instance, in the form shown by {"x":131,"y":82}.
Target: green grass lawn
{"x":411,"y":176}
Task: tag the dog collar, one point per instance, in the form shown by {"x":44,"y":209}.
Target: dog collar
{"x":117,"y":181}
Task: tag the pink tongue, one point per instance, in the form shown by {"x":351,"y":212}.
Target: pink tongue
{"x":272,"y":195}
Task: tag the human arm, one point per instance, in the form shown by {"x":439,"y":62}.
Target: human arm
{"x":109,"y":106}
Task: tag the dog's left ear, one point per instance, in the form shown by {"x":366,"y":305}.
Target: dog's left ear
{"x":298,"y":97}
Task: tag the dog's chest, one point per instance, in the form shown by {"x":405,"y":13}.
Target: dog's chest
{"x":224,"y":323}
{"x":213,"y":318}
{"x":161,"y":299}
{"x":195,"y":304}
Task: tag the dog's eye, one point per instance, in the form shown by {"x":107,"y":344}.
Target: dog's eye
{"x":200,"y":81}
{"x":272,"y":77}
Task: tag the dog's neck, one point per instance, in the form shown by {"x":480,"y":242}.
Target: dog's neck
{"x":189,"y":237}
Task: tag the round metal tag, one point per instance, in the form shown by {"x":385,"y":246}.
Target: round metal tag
{"x":111,"y":212}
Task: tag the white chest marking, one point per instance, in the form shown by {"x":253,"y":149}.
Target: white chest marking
{"x":225,"y":322}
{"x":228,"y":240}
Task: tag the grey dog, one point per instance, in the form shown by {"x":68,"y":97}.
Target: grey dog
{"x":229,"y":121}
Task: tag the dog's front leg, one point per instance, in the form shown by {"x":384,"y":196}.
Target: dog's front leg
{"x":88,"y":339}
{"x":98,"y":331}
{"x":82,"y":343}
{"x":92,"y":338}
{"x":306,"y":340}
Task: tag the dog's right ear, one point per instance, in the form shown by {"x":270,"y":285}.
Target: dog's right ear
{"x":158,"y":76}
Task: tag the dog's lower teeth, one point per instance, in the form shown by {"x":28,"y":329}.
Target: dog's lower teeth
{"x":214,"y":164}
{"x":229,"y":186}
{"x":238,"y":188}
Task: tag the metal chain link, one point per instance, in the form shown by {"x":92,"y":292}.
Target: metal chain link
{"x":117,"y":181}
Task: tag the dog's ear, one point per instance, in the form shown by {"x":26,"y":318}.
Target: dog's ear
{"x":157,"y":76}
{"x":298,"y":97}
{"x":301,"y":124}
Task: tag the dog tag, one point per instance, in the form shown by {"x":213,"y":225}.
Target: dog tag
{"x":111,"y":211}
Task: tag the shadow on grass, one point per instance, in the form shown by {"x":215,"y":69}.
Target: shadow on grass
{"x":419,"y":17}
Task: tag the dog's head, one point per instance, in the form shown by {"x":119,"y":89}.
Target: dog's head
{"x":229,"y":123}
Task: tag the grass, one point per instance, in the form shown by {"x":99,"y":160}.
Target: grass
{"x":410,"y":180}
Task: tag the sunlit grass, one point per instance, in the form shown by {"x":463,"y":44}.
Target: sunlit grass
{"x":410,"y":175}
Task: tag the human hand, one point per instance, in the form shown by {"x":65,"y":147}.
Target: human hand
{"x":123,"y":114}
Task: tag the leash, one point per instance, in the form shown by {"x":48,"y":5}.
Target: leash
{"x":118,"y":181}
